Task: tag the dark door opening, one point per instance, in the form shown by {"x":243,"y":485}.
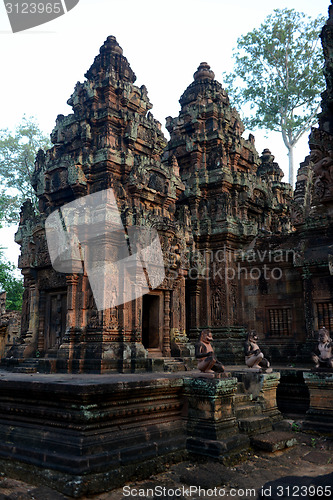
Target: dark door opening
{"x":150,"y":321}
{"x":55,"y":319}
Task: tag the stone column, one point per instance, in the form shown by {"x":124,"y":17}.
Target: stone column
{"x":31,"y":338}
{"x":195,"y":291}
{"x":71,"y":316}
{"x":136,"y":320}
{"x":166,"y":332}
{"x":182,"y":308}
{"x":85,"y":302}
{"x":41,"y":326}
{"x":308,"y":302}
{"x":207,"y":295}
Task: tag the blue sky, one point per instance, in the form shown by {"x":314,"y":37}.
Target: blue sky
{"x":163,"y":41}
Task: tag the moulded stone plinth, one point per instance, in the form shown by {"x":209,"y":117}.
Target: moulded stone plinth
{"x":211,"y":423}
{"x":320,"y":414}
{"x":87,"y":434}
{"x":210,"y":413}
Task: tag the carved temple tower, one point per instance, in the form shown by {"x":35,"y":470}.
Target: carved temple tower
{"x":232,"y":195}
{"x":110,"y":141}
{"x":313,"y":207}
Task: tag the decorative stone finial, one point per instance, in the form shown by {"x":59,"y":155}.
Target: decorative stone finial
{"x":204,"y":72}
{"x":266,"y":155}
{"x":112,"y":44}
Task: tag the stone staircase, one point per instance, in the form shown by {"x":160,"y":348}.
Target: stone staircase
{"x":174,"y":365}
{"x":29,"y":365}
{"x":179,"y":364}
{"x":228,"y":416}
{"x":263,"y":433}
{"x":171,"y":364}
{"x":248,"y":413}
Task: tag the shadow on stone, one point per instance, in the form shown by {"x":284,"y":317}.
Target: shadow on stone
{"x":302,"y":486}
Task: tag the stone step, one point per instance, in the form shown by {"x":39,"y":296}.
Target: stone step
{"x":221,"y":449}
{"x":240,"y":398}
{"x":174,"y":366}
{"x":274,"y":441}
{"x":29,"y":365}
{"x":247,"y":410}
{"x":155,"y":354}
{"x":257,"y":424}
{"x":25,"y":369}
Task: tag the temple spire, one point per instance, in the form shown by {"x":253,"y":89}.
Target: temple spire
{"x":111,"y":60}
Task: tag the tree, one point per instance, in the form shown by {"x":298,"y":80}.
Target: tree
{"x":17,"y":157}
{"x":279,"y":67}
{"x":10,"y":284}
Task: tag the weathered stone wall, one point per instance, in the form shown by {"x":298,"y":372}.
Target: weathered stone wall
{"x":10,"y":326}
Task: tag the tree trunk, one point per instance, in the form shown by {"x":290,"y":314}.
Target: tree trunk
{"x":291,"y":165}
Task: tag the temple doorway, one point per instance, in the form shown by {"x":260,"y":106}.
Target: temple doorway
{"x":55,"y":324}
{"x":151,"y":337}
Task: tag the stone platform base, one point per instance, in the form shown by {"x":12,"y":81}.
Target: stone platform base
{"x":87,"y":434}
{"x":319,"y":416}
{"x":84,"y":434}
{"x":97,"y":366}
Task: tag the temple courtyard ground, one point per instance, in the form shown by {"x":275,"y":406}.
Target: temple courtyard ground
{"x":302,"y":471}
{"x":309,"y":462}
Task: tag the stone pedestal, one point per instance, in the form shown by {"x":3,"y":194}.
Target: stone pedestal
{"x":262,"y":387}
{"x":320,"y":414}
{"x":86,"y":434}
{"x":211,"y":423}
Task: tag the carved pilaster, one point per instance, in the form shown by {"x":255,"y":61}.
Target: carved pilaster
{"x":308,"y":302}
{"x":72,"y":312}
{"x":33,"y":320}
{"x":182,"y":306}
{"x":166,"y":333}
{"x":136,"y":326}
{"x":42,"y":312}
{"x":195,"y":291}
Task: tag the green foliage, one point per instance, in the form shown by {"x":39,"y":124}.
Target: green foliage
{"x":10,"y":284}
{"x":295,"y":427}
{"x":278,"y":72}
{"x":17,"y":157}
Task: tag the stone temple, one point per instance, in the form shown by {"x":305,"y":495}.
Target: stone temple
{"x":100,"y":396}
{"x":241,"y":250}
